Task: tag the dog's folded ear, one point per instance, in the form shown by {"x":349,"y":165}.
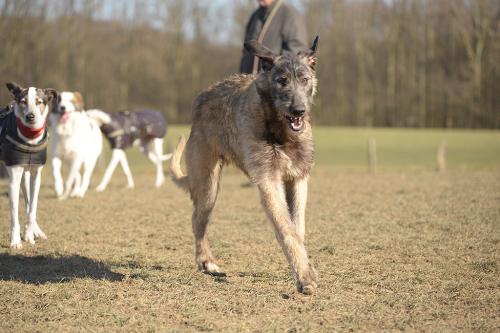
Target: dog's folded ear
{"x":78,"y":101}
{"x":53,"y":97}
{"x":14,"y":88}
{"x":266,"y":55}
{"x":310,"y":54}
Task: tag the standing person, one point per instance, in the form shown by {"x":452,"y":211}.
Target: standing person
{"x":277,"y":25}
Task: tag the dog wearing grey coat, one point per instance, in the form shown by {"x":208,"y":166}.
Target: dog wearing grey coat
{"x":125,"y":129}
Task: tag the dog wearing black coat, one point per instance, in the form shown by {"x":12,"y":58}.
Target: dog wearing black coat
{"x":23,"y":150}
{"x":124,"y":129}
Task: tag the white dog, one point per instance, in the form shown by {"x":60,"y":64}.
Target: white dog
{"x":23,"y":145}
{"x":76,"y":142}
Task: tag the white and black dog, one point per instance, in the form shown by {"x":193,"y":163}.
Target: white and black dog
{"x":23,"y":145}
{"x":76,"y":142}
{"x":125,"y":129}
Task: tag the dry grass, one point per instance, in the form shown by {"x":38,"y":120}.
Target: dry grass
{"x":395,"y":251}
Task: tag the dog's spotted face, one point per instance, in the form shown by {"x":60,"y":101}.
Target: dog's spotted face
{"x":69,"y":102}
{"x":290,"y":83}
{"x":32,"y":105}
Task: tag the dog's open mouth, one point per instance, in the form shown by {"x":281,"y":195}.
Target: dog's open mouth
{"x":64,"y":117}
{"x":295,"y":123}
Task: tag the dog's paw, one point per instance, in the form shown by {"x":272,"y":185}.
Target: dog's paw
{"x":15,"y":238}
{"x":308,"y":289}
{"x":100,"y":188}
{"x":32,"y":232}
{"x":307,"y":282}
{"x":59,"y":190}
{"x":160,"y":182}
{"x":130,"y":186}
{"x":29,"y":235}
{"x":208,"y":267}
{"x":38,"y":232}
{"x":77,"y":194}
{"x":16,"y":245}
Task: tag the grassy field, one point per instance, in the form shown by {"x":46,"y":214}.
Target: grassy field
{"x":401,"y":149}
{"x":403,"y":249}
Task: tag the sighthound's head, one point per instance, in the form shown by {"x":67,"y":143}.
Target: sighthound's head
{"x":32,"y":105}
{"x":288,"y":82}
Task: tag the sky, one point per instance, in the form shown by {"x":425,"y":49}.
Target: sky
{"x":226,"y":20}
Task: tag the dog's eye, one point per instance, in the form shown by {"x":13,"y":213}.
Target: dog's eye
{"x":304,"y":80}
{"x":23,"y":101}
{"x":283,"y":80}
{"x":38,"y":102}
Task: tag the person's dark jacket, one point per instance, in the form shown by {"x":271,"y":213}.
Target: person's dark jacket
{"x":286,"y":33}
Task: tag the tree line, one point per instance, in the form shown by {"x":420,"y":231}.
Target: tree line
{"x":407,"y":63}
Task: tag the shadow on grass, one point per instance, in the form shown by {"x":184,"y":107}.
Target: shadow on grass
{"x":46,"y":269}
{"x":217,"y":276}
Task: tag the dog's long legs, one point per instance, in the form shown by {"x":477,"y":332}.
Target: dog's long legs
{"x":296,"y":197}
{"x":25,"y":187}
{"x":77,"y":185}
{"x":88,"y":167}
{"x":204,"y":184}
{"x":72,"y":185}
{"x":158,"y":151}
{"x":116,"y":156}
{"x":126,"y":169}
{"x":56,"y":173}
{"x":151,"y":155}
{"x":273,"y":197}
{"x":15,"y":178}
{"x":32,"y":229}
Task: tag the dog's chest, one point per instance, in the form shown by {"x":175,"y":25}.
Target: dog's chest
{"x":16,"y":151}
{"x":292,"y":155}
{"x":294,"y":160}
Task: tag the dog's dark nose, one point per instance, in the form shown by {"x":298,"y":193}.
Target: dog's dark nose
{"x":62,"y":108}
{"x":30,"y":117}
{"x":298,"y":112}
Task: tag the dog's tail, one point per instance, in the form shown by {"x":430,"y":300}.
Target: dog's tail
{"x":99,"y":116}
{"x":178,"y":177}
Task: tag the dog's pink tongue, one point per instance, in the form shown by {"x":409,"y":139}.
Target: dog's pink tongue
{"x":64,"y":117}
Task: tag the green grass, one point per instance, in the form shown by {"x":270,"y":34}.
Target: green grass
{"x":397,"y":148}
{"x":403,"y":148}
{"x":403,"y":249}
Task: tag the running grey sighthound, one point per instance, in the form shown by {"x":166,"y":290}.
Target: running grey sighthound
{"x":261,"y":123}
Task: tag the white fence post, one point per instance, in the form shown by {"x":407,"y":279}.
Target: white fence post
{"x":372,"y":155}
{"x":441,"y":157}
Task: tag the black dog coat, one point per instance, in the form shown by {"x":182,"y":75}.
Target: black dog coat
{"x":127,"y":127}
{"x":13,"y":149}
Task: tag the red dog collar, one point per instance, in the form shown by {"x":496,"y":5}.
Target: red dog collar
{"x":29,"y":132}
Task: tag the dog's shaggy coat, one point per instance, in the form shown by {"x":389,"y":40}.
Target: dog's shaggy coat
{"x":261,"y":124}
